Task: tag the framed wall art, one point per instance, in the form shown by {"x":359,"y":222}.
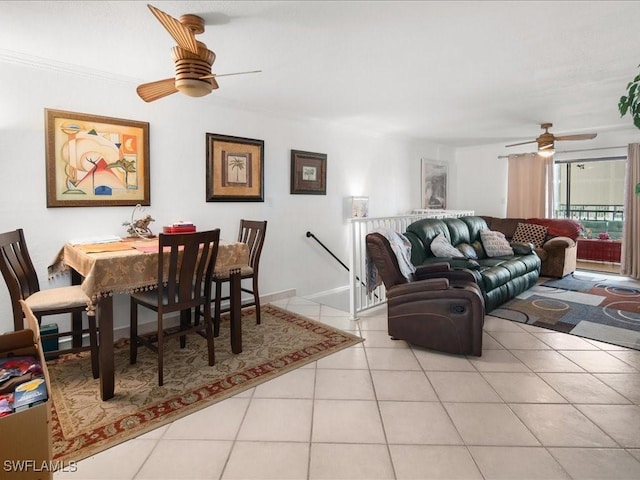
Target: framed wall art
{"x":235,"y":169}
{"x":359,"y":207}
{"x":308,"y":173}
{"x":434,"y":185}
{"x":95,"y":161}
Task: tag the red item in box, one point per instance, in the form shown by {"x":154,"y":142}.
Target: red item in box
{"x":179,"y":229}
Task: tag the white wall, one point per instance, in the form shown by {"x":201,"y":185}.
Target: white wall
{"x":480,"y":180}
{"x":481,"y":175}
{"x":385,"y":169}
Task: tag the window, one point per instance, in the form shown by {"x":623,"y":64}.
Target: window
{"x":592,"y":192}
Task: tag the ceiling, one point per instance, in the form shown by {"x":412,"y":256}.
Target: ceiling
{"x":455,"y":73}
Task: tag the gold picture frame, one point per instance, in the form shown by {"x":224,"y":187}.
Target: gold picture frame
{"x":95,"y":161}
{"x":308,"y":173}
{"x":235,"y":169}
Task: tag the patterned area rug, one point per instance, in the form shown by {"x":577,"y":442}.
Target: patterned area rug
{"x":588,"y":306}
{"x":84,"y":425}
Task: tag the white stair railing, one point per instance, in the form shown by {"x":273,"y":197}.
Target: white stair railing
{"x":359,"y":301}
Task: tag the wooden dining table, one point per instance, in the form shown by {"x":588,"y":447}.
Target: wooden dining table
{"x":129,"y":265}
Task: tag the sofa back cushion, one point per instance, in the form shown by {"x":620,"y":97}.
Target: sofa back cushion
{"x":474,"y":225}
{"x":505,"y":225}
{"x":379,"y":252}
{"x":458,"y":231}
{"x":421,"y":234}
{"x":559,"y":227}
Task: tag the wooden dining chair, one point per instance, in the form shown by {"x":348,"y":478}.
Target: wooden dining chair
{"x":187,"y":270}
{"x":252,"y":233}
{"x":22,"y":281}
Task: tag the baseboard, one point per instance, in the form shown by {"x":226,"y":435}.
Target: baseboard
{"x":171,"y":321}
{"x":333,"y":291}
{"x":273,"y":297}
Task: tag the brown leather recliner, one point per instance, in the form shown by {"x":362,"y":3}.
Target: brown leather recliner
{"x":437,"y":308}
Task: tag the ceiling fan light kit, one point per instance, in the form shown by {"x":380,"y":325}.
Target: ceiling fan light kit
{"x":546,"y":141}
{"x":192,"y":87}
{"x":192,"y":60}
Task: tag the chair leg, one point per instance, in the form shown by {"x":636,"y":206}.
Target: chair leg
{"x":76,"y":329}
{"x":256,"y":299}
{"x":185,"y":322}
{"x":133,"y":333}
{"x":209,"y":331}
{"x":160,"y":350}
{"x":216,"y":318}
{"x":93,"y":342}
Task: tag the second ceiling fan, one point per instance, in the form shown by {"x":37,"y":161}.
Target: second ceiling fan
{"x":192,"y":60}
{"x":546,"y":141}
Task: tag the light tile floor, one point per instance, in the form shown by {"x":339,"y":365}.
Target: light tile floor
{"x":536,"y":405}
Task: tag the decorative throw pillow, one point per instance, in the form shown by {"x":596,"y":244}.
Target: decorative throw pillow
{"x":495,"y":244}
{"x":468,"y":251}
{"x":479,"y":249}
{"x":530,"y":233}
{"x":441,"y":248}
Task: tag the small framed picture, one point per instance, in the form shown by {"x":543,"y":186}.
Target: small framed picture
{"x":359,"y":207}
{"x":434,"y":185}
{"x":308,"y":173}
{"x":235,"y":169}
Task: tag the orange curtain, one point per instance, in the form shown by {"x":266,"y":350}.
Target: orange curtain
{"x":530,"y":186}
{"x":631,"y":228}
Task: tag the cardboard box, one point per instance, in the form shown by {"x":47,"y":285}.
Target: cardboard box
{"x":25,"y":436}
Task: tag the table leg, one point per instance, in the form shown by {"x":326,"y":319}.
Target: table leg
{"x":76,"y":317}
{"x":104,"y":312}
{"x":235,"y":311}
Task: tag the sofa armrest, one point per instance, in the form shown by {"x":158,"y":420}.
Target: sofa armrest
{"x":419,"y":286}
{"x":432,"y":268}
{"x":557,"y":243}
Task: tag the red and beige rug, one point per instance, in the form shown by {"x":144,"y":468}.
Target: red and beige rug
{"x":84,"y":425}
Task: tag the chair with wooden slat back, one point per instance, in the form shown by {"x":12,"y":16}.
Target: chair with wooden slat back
{"x":22,"y":281}
{"x":187,"y":284}
{"x":251,"y":232}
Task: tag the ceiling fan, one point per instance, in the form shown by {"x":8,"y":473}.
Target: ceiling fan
{"x":191,"y":58}
{"x":546,"y":141}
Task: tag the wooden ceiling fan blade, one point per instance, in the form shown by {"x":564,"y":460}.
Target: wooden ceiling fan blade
{"x":228,"y":74}
{"x":181,"y":34}
{"x":155,"y":90}
{"x":583,"y":136}
{"x":521,"y":143}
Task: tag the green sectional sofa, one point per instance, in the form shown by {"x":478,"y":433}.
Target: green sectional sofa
{"x":500,"y":278}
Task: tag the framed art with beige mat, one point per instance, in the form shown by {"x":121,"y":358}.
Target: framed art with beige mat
{"x":84,"y":425}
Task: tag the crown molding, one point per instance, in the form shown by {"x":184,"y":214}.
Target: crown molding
{"x":18,"y":58}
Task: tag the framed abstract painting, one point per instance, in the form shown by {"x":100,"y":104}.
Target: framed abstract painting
{"x":95,"y":161}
